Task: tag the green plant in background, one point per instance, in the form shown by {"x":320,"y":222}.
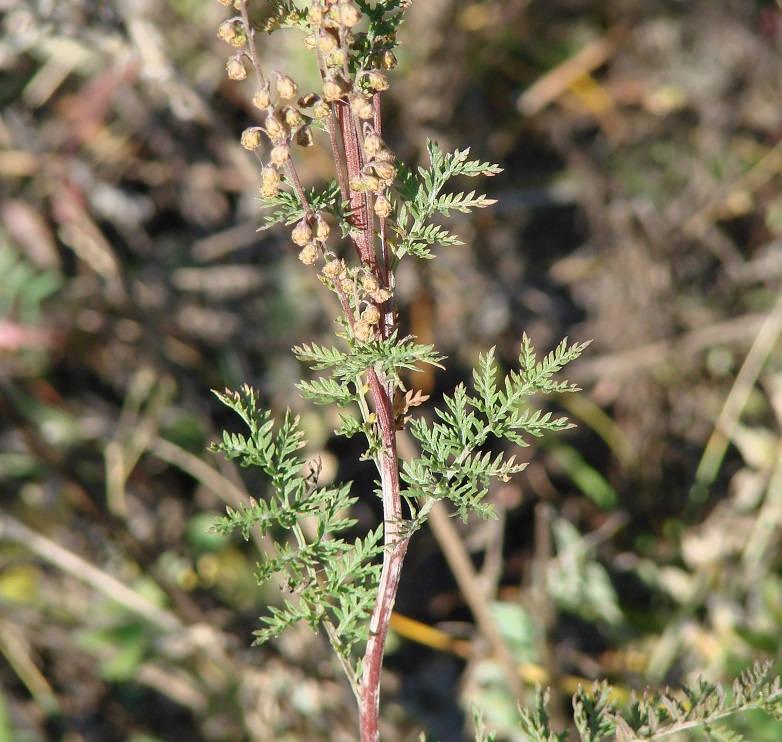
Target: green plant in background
{"x":385,"y":210}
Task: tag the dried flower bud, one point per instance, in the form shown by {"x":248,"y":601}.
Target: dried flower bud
{"x":292,"y":116}
{"x":232,"y":32}
{"x":371,"y":315}
{"x":315,"y":14}
{"x":337,"y":58}
{"x":286,"y":88}
{"x":361,"y":105}
{"x":332,"y":269}
{"x":362,"y":331}
{"x":384,"y":154}
{"x":302,"y":233}
{"x":262,"y":99}
{"x":349,"y":14}
{"x":251,"y":138}
{"x":321,"y":109}
{"x":369,"y":283}
{"x":280,"y":154}
{"x":384,"y":170}
{"x":309,"y":254}
{"x":356,"y":184}
{"x":327,"y":43}
{"x":235,"y":68}
{"x":377,"y":80}
{"x":335,"y":88}
{"x":322,"y":228}
{"x":382,"y":206}
{"x":372,"y":143}
{"x":387,"y":59}
{"x":310,"y":42}
{"x":304,"y":136}
{"x":270,"y":176}
{"x":381,"y":295}
{"x":275,"y":128}
{"x":371,"y":183}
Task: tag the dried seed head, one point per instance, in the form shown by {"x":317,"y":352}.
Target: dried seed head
{"x":332,"y":269}
{"x":387,"y":60}
{"x":275,"y":128}
{"x":307,"y":100}
{"x":384,"y":170}
{"x":381,"y":295}
{"x":292,"y":116}
{"x":321,"y":109}
{"x":334,"y":89}
{"x":322,"y":228}
{"x":251,"y":138}
{"x":286,"y":88}
{"x":280,"y":154}
{"x":371,"y":315}
{"x":377,"y":80}
{"x":362,"y":331}
{"x":349,"y":14}
{"x":232,"y":32}
{"x":382,"y":206}
{"x":302,"y":233}
{"x":262,"y":99}
{"x":361,"y":105}
{"x":304,"y":136}
{"x":235,"y":68}
{"x":309,"y":254}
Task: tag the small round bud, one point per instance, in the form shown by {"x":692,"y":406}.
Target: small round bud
{"x":262,"y":99}
{"x":310,"y":42}
{"x":384,"y":170}
{"x":280,"y":154}
{"x":361,"y":105}
{"x":349,"y":14}
{"x":309,"y":254}
{"x":332,"y":269}
{"x":304,"y":136}
{"x":383,"y":206}
{"x":369,"y":283}
{"x":235,"y":68}
{"x":372,"y":143}
{"x":270,"y":176}
{"x":321,"y":109}
{"x":337,"y":58}
{"x":334,"y":89}
{"x":315,"y":15}
{"x":362,"y":331}
{"x":232,"y":32}
{"x":385,"y":154}
{"x":251,"y":138}
{"x":381,"y":295}
{"x":387,"y":59}
{"x":371,"y":315}
{"x":286,"y":88}
{"x":377,"y":80}
{"x":371,"y":183}
{"x":292,"y":116}
{"x":275,"y":128}
{"x":357,"y":184}
{"x":327,"y":43}
{"x":302,"y":233}
{"x":322,"y":228}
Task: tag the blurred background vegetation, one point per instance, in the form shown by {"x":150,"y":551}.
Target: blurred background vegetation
{"x":640,"y":206}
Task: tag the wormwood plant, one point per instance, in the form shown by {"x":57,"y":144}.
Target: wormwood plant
{"x":384,"y":211}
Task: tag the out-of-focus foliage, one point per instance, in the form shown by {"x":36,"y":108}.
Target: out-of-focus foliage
{"x":640,"y":205}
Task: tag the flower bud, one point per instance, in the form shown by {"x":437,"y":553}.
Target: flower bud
{"x":335,"y":88}
{"x":310,"y":42}
{"x":262,"y":99}
{"x":372,"y":143}
{"x":270,"y":176}
{"x":275,"y":128}
{"x":251,"y":138}
{"x":371,"y":315}
{"x":371,"y":183}
{"x":321,"y":109}
{"x":332,"y":269}
{"x":362,"y":331}
{"x":381,"y":295}
{"x":292,"y":116}
{"x":361,"y":105}
{"x":322,"y":228}
{"x":309,"y":254}
{"x":232,"y":32}
{"x":226,"y":2}
{"x":384,"y":154}
{"x":304,"y":136}
{"x":235,"y":68}
{"x":384,"y":170}
{"x":349,"y":14}
{"x":383,"y":206}
{"x":377,"y":80}
{"x":286,"y":88}
{"x":387,"y":59}
{"x":327,"y":43}
{"x":357,"y":184}
{"x":280,"y":154}
{"x":302,"y":233}
{"x":338,"y":58}
{"x":369,"y":283}
{"x":307,"y":100}
{"x":315,"y":15}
